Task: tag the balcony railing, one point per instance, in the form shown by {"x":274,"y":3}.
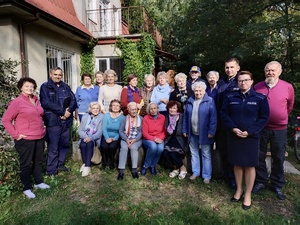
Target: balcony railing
{"x":113,"y":22}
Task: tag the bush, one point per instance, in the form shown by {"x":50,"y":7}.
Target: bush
{"x":9,"y":169}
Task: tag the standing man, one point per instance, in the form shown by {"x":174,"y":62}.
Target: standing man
{"x":195,"y":76}
{"x":59,"y":103}
{"x":280,"y":96}
{"x":228,"y":84}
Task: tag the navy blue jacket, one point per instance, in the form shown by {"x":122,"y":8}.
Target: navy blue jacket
{"x":207,"y":122}
{"x":248,"y":112}
{"x":55,"y":99}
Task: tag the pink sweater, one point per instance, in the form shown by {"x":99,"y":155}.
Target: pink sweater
{"x":22,"y":117}
{"x":281,"y":102}
{"x":154,"y":127}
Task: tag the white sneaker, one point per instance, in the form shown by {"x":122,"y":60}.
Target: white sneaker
{"x":29,"y":194}
{"x":41,"y":186}
{"x":206,"y":181}
{"x":193,"y":177}
{"x":81,"y":168}
{"x":86,"y":171}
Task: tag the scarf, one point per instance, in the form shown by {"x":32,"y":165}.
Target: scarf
{"x":172,"y":123}
{"x":91,"y":126}
{"x":130,"y":93}
{"x":164,"y":88}
{"x":132,"y":123}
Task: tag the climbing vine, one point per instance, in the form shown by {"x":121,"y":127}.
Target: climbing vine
{"x":138,"y":56}
{"x":87,"y":58}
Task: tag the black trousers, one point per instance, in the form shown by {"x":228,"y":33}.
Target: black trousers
{"x":108,"y":151}
{"x":31,"y":157}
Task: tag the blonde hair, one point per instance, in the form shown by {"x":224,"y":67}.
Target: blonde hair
{"x":93,"y":104}
{"x":109,"y":71}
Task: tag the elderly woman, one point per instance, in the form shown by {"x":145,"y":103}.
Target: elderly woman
{"x":85,"y":94}
{"x":110,"y":141}
{"x":131,"y":94}
{"x":244,"y":114}
{"x":90,"y":133}
{"x":161,"y":92}
{"x":199,"y":125}
{"x":175,"y":144}
{"x":146,"y":92}
{"x":181,"y":92}
{"x":109,"y":91}
{"x":23,"y":120}
{"x":131,"y":138}
{"x":153,"y":137}
{"x":99,"y":78}
{"x":212,"y":79}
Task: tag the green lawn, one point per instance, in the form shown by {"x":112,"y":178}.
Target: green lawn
{"x":102,"y":199}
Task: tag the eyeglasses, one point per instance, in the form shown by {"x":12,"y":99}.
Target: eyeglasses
{"x":242,"y":81}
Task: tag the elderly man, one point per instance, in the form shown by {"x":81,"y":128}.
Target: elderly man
{"x":195,"y":74}
{"x":281,"y":100}
{"x":59,"y":103}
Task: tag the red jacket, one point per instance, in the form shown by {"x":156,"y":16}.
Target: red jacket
{"x":154,"y":127}
{"x":124,"y":100}
{"x":23,"y":117}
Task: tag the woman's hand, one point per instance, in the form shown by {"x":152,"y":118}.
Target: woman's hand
{"x":21,"y":136}
{"x":185,"y":135}
{"x":210,"y":136}
{"x":86,"y":140}
{"x":239,"y":133}
{"x":164,"y":100}
{"x":158,"y":140}
{"x":109,"y":140}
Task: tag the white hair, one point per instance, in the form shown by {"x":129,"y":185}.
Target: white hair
{"x":180,"y":75}
{"x":200,"y":84}
{"x":214,"y":73}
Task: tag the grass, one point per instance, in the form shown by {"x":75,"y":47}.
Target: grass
{"x":101,"y":199}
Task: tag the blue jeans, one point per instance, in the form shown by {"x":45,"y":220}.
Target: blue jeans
{"x":58,"y":140}
{"x":153,"y":154}
{"x":277,"y":140}
{"x":205,"y":155}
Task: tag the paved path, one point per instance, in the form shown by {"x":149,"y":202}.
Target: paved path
{"x":288,"y":167}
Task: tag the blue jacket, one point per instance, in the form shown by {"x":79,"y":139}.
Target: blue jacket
{"x":248,"y":112}
{"x":55,"y":100}
{"x":207,"y":115}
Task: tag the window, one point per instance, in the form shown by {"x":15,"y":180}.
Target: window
{"x":63,"y":59}
{"x":115,"y":64}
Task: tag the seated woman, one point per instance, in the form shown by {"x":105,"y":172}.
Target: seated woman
{"x":90,"y":133}
{"x":154,"y":134}
{"x":110,"y":141}
{"x":175,"y":144}
{"x":131,"y":94}
{"x":131,"y":138}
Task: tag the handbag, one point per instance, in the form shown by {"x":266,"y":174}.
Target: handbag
{"x":217,"y":169}
{"x":97,"y":157}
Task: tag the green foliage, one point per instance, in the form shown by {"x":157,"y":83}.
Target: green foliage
{"x":9,"y":164}
{"x":87,"y":58}
{"x":9,"y":169}
{"x":138,"y":56}
{"x":8,"y":82}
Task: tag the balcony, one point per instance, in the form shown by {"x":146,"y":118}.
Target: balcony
{"x":124,"y":21}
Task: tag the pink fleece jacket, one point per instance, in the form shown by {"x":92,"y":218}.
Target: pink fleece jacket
{"x":281,"y":102}
{"x":154,"y":127}
{"x":23,"y":117}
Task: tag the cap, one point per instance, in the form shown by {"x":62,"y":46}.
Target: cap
{"x":195,"y":69}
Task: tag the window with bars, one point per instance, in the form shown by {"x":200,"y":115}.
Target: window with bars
{"x":64,"y":59}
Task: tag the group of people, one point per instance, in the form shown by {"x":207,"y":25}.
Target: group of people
{"x":167,"y":120}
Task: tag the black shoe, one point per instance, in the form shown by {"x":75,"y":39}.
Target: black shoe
{"x":278,"y":192}
{"x":112,"y":167}
{"x":135,"y":175}
{"x":143,"y":171}
{"x":120,"y":176}
{"x":257,"y":188}
{"x":233,"y":199}
{"x":246,"y":207}
{"x":153,"y":170}
{"x":63,"y":168}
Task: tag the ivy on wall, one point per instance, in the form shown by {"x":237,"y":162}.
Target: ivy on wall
{"x":87,"y":57}
{"x":138,"y":56}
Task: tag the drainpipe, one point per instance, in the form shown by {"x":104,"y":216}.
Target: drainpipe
{"x":22,"y":43}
